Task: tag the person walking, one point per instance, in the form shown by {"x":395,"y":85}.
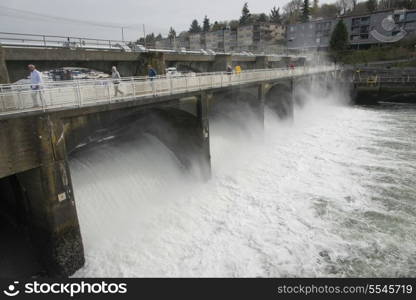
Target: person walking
{"x":152,"y":75}
{"x":237,"y":70}
{"x":151,"y":72}
{"x":115,"y":75}
{"x":229,"y":69}
{"x":36,"y":82}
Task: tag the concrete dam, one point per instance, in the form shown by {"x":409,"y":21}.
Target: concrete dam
{"x":35,"y":178}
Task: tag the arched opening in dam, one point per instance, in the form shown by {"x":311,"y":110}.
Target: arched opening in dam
{"x":279,"y":99}
{"x":179,"y":130}
{"x":236,"y":105}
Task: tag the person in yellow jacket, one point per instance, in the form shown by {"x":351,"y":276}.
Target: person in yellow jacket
{"x":237,"y":70}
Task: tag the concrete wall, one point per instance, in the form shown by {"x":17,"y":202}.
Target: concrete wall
{"x":19,"y":146}
{"x":128,"y":63}
{"x":14,"y":61}
{"x":4,"y":73}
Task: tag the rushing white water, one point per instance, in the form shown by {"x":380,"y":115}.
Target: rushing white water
{"x":332,"y":194}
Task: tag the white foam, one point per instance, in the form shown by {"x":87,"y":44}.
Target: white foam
{"x":296,"y":200}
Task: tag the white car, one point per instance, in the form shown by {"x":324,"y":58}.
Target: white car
{"x":138,"y":48}
{"x":172,"y":72}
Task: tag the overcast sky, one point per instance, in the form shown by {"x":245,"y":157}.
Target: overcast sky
{"x":157,"y":15}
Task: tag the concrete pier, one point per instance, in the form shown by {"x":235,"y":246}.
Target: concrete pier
{"x":46,"y":187}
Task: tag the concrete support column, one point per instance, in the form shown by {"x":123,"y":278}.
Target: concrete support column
{"x":262,"y":101}
{"x":262,"y":62}
{"x":156,"y":60}
{"x":54,"y":221}
{"x":202,"y":115}
{"x":221,"y":62}
{"x":290,"y":103}
{"x":4,"y":72}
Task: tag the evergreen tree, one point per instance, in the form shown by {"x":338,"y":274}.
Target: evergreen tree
{"x":305,"y":11}
{"x":245,"y":15}
{"x":205,"y":25}
{"x":150,"y":39}
{"x":262,"y":18}
{"x":195,"y":28}
{"x":275,"y":15}
{"x":172,"y":34}
{"x":339,"y":37}
{"x":371,"y":5}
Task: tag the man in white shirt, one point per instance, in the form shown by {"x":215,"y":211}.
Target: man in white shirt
{"x":35,"y":84}
{"x":115,"y":75}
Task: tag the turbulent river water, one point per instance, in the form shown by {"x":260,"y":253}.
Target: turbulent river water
{"x":331,"y":194}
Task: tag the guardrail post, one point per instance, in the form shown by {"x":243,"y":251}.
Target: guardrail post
{"x":79,"y":93}
{"x":42,"y":98}
{"x":109,"y":92}
{"x":20,"y":101}
{"x":3,"y":103}
{"x":134,"y":87}
{"x":44,"y":40}
{"x":155,"y":85}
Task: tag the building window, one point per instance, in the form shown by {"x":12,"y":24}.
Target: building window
{"x":410,"y":17}
{"x":365,"y":21}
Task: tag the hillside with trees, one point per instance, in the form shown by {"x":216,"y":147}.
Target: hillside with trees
{"x":294,"y":11}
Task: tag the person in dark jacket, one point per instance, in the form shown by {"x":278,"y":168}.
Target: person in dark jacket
{"x":152,"y":72}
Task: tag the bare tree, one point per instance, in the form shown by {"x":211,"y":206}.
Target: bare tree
{"x":345,"y":6}
{"x":292,"y":11}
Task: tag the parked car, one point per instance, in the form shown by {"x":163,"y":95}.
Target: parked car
{"x":123,"y":47}
{"x":138,"y":48}
{"x":172,"y":72}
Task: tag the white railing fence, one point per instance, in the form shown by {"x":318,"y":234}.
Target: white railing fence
{"x":17,"y":98}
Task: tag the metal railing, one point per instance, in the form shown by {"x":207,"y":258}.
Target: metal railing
{"x":384,"y":78}
{"x":18,"y":98}
{"x":56,"y":41}
{"x":10,"y":39}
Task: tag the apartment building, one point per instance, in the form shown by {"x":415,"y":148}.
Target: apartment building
{"x":381,"y":27}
